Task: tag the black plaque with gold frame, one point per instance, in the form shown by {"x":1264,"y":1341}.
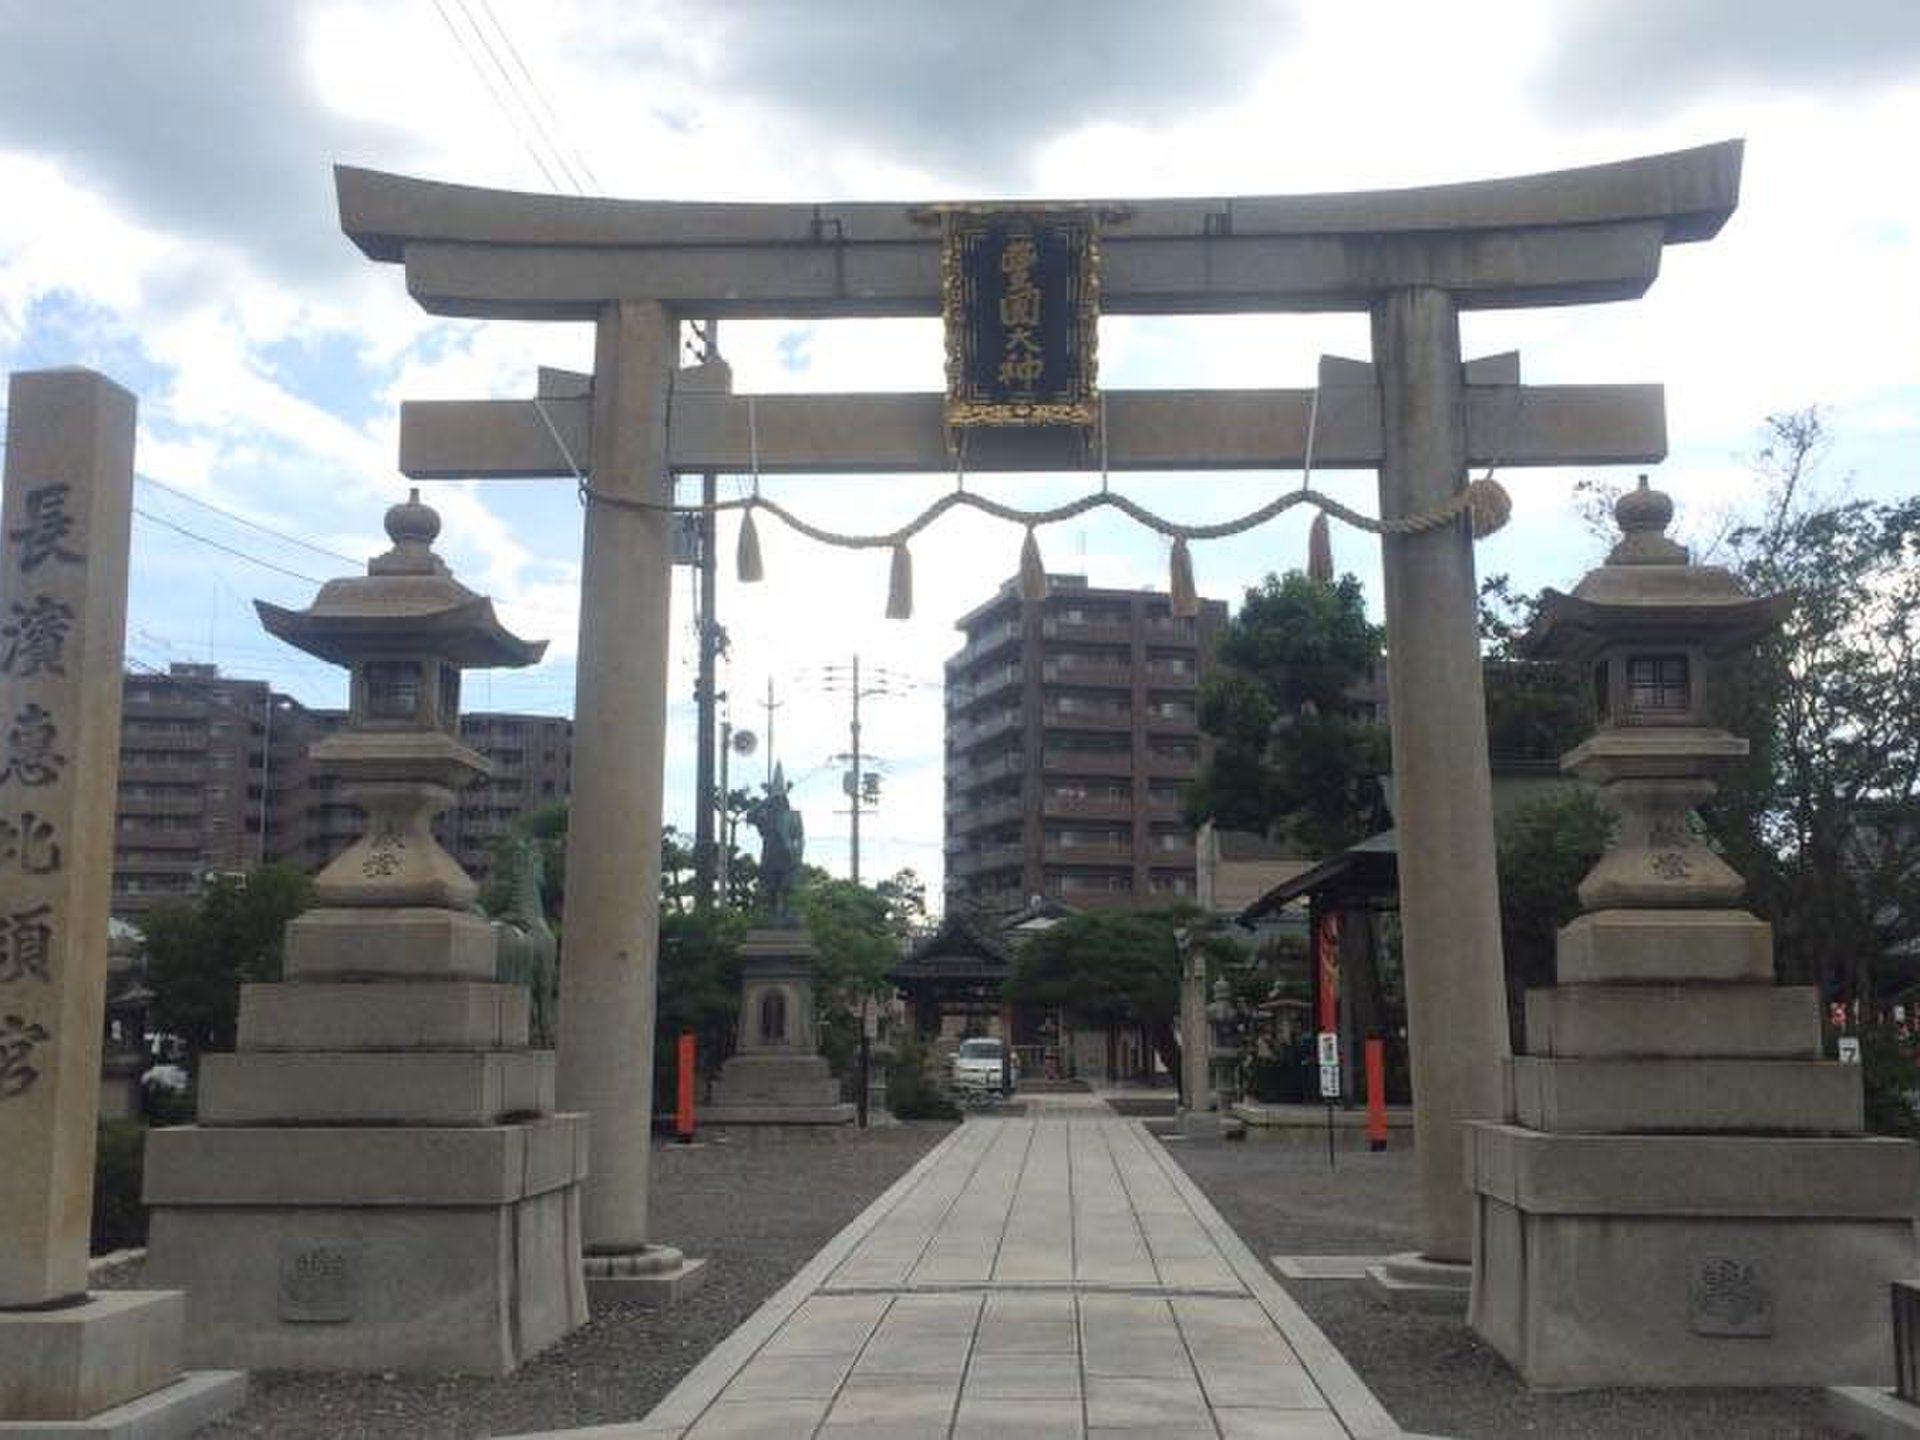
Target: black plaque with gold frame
{"x":1021,"y":301}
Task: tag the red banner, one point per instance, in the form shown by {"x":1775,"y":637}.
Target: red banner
{"x":1326,"y":943}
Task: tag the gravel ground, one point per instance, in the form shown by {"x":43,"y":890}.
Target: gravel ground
{"x":1431,"y":1371}
{"x":756,"y":1204}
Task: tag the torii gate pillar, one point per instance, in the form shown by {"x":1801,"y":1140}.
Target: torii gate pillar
{"x":1443,"y":788}
{"x":608,"y":979}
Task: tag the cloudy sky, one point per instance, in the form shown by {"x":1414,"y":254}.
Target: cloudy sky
{"x":169,"y":220}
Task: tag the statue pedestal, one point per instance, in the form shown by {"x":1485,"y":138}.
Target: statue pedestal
{"x":777,"y":1076}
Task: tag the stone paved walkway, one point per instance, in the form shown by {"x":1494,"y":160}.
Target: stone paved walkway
{"x":1049,"y":1275}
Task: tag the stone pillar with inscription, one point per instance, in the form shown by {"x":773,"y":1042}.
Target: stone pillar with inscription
{"x":67,"y":1356}
{"x":378,"y":1179}
{"x":1686,"y":1196}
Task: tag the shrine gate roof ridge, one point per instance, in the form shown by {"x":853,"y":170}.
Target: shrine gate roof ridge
{"x":1565,"y":236}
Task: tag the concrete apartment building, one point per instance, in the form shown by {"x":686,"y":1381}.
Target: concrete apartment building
{"x":214,"y":776}
{"x":1071,"y":739}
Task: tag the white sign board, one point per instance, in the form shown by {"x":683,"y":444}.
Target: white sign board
{"x":1330,"y":1049}
{"x":1330,"y":1082}
{"x":1849,"y":1049}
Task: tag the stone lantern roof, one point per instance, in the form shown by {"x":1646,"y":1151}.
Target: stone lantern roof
{"x":1649,"y":589}
{"x":408,"y":599}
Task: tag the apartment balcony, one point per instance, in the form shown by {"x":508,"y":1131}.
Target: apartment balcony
{"x":179,"y":707}
{"x":1088,"y":762}
{"x":1114,"y":677}
{"x":985,"y":642}
{"x":991,"y":727}
{"x":1088,"y":632}
{"x":1176,"y":631}
{"x":979,"y":687}
{"x":1179,"y":767}
{"x":989,"y":858}
{"x":128,"y":830}
{"x":1185,"y":721}
{"x":1109,"y":721}
{"x":1083,"y":808}
{"x":1113,"y":852}
{"x":189,"y":803}
{"x":985,"y":772}
{"x":1165,"y":677}
{"x":175,"y":772}
{"x":969,"y":818}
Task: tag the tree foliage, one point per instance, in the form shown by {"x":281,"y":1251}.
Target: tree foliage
{"x":200,"y":953}
{"x":1108,"y":968}
{"x":1290,"y":756}
{"x":1546,"y":847}
{"x":1824,"y":819}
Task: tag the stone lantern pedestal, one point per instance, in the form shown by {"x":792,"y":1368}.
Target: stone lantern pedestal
{"x":378,"y":1179}
{"x":1685,"y":1197}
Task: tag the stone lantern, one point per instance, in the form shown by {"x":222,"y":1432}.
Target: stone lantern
{"x":1647,"y":623}
{"x":1684,"y":1195}
{"x":405,"y":630}
{"x":378,"y":1179}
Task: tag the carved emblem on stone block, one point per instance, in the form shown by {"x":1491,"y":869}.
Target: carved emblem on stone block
{"x":1730,"y":1297}
{"x":319,"y":1284}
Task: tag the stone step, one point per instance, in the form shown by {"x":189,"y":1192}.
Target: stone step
{"x":366,"y":1087}
{"x":401,"y":942}
{"x":398,"y":1015}
{"x":1674,"y":1021}
{"x":1627,"y":947}
{"x":363,"y":1165}
{"x":1641,"y":1095}
{"x":1799,"y":1177}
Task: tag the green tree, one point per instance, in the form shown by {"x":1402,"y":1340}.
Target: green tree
{"x":1291,"y":758}
{"x":854,"y":931}
{"x":199,"y":954}
{"x":1108,"y":968}
{"x":1822,"y":820}
{"x":1546,"y":847}
{"x":698,"y":987}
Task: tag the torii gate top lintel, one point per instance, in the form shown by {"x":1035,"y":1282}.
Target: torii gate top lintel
{"x":1570,"y":236}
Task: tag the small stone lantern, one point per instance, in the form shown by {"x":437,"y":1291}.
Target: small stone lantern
{"x":404,"y":631}
{"x":1647,"y":622}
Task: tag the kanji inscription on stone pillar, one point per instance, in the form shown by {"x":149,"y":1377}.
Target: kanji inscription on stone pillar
{"x":63,"y":601}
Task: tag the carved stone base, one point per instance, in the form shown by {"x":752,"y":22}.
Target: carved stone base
{"x":421,"y":1249}
{"x":1605,"y":1260}
{"x":657,"y":1277}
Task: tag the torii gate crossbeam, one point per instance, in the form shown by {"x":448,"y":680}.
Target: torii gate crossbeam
{"x":1411,"y":259}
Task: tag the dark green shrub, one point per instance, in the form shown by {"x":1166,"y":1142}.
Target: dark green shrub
{"x":911,"y":1092}
{"x":1891,"y":1080}
{"x":119,"y":1219}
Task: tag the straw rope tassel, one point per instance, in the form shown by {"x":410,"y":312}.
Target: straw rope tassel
{"x":900,"y":584}
{"x":746,"y":555}
{"x":1033,"y":574}
{"x":1185,"y":599}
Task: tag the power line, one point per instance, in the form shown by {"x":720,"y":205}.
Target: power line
{"x":237,"y":519}
{"x":533,"y":85}
{"x":494,"y":92}
{"x":227,"y":549}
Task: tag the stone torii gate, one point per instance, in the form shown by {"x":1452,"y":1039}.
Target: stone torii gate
{"x":1411,"y":259}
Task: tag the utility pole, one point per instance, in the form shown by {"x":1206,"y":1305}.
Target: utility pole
{"x":882,"y":682}
{"x":770,"y":705}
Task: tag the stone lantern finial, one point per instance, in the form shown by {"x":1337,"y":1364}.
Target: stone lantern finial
{"x":1643,"y":515}
{"x":413,"y":527}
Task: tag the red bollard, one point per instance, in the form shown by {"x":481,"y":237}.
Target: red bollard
{"x":683,"y":1096}
{"x":1376,"y":1094}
